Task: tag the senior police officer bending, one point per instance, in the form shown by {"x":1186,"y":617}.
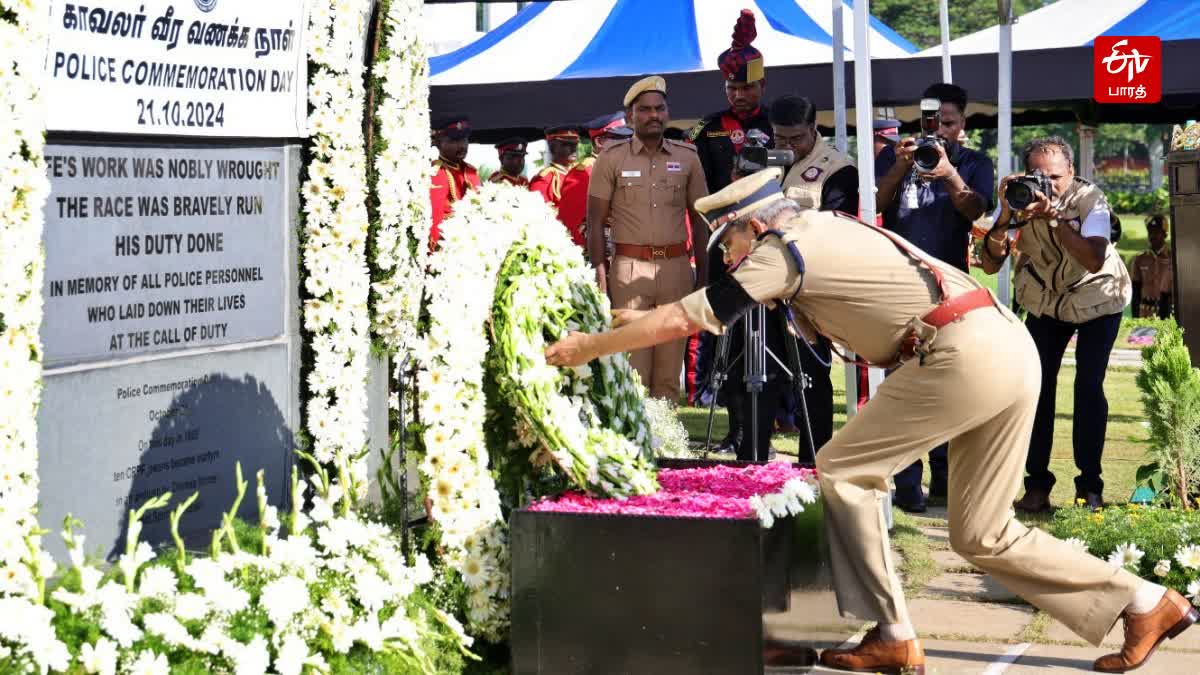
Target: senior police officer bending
{"x":970,"y":376}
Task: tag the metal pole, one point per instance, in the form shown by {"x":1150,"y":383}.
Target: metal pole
{"x":842,"y":143}
{"x":1004,"y":132}
{"x":841,"y":138}
{"x":862,"y":108}
{"x":944,"y":15}
{"x":863,"y":104}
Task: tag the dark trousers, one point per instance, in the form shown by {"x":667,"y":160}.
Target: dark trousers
{"x":779,"y":392}
{"x":1092,"y":349}
{"x":908,"y":480}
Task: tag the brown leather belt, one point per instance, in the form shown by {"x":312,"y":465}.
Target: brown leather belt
{"x":651,"y":252}
{"x":955,"y":308}
{"x":946,"y":313}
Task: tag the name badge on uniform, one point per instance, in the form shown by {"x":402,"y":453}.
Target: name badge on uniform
{"x":631,"y":174}
{"x":673,"y":167}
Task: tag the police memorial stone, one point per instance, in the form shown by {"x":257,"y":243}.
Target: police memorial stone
{"x":171,"y":331}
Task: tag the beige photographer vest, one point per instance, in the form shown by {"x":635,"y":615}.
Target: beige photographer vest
{"x":1050,"y":282}
{"x":806,"y":179}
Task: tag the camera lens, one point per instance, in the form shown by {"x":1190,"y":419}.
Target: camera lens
{"x":1019,"y":195}
{"x":926,"y":156}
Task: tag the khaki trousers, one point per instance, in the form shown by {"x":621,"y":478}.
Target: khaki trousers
{"x":646,"y":284}
{"x":978,"y":390}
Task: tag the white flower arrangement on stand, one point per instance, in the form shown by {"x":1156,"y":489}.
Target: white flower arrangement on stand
{"x":403,"y":170}
{"x":590,"y":420}
{"x":463,"y":499}
{"x":506,"y":269}
{"x":335,"y":239}
{"x":27,"y":637}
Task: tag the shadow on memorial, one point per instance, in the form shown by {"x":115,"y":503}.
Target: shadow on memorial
{"x":196,"y":445}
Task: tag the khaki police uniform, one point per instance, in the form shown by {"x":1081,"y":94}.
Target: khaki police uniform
{"x":1050,"y":282}
{"x":648,"y":192}
{"x":805,"y":180}
{"x":973,"y":382}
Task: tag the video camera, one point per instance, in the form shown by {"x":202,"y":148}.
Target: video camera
{"x":756,"y":156}
{"x":926,"y":156}
{"x":1021,"y":192}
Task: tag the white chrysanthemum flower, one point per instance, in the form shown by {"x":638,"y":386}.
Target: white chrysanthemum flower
{"x":1077,"y":544}
{"x":1126,"y":555}
{"x":1193,"y":591}
{"x":1162,"y":568}
{"x":284,"y":598}
{"x":157,"y":582}
{"x":100,"y":658}
{"x":1189,"y":556}
{"x":149,"y":663}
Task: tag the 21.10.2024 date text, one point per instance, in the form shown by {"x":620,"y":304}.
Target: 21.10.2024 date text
{"x":180,"y":113}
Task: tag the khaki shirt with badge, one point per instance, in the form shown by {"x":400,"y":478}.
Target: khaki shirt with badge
{"x":859,"y":289}
{"x":648,"y":191}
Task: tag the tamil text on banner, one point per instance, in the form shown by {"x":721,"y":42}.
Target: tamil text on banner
{"x":189,"y":67}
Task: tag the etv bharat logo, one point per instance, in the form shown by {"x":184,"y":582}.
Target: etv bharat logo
{"x":1127,"y":69}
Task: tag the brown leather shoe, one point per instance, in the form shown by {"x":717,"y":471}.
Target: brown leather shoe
{"x":876,"y":655}
{"x":1036,"y":500}
{"x":1144,"y":632}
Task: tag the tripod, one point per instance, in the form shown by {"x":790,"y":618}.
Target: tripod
{"x":754,"y":362}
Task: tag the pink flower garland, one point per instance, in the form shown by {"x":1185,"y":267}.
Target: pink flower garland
{"x":713,"y":492}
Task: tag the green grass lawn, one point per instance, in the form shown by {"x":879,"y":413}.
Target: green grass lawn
{"x":1124,"y":448}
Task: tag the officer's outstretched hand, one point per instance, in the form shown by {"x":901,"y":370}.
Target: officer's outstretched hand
{"x":569,"y":351}
{"x":624,"y":316}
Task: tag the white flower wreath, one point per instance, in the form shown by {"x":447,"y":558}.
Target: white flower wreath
{"x":589,"y":419}
{"x":545,"y":286}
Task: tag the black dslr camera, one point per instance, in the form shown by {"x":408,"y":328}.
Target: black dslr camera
{"x":926,"y":156}
{"x":1021,"y":192}
{"x":756,"y":156}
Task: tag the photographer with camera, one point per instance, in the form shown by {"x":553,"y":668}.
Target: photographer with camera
{"x":931,"y":189}
{"x":1071,"y":281}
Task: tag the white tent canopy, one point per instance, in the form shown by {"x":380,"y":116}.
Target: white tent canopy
{"x":606,"y":38}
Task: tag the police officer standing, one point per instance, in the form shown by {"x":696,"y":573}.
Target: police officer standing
{"x":968,"y":376}
{"x":647,"y":185}
{"x":452,"y":175}
{"x":512,"y":163}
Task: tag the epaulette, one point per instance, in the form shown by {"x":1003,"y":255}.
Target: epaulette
{"x":694,"y":132}
{"x":680,"y":144}
{"x":1080,"y":179}
{"x":615,"y":144}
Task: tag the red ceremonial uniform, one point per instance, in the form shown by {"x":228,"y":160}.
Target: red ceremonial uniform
{"x":572,"y":207}
{"x":450,"y":183}
{"x":549,"y":184}
{"x":501,"y":177}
